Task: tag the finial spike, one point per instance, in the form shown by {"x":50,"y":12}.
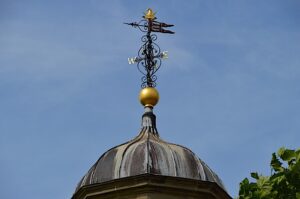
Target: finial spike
{"x":149,"y":14}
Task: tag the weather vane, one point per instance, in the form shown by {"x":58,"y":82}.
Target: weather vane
{"x":149,"y":55}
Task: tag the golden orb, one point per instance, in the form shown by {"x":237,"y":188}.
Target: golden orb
{"x":149,"y":96}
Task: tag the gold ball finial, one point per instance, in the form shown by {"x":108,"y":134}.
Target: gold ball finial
{"x":149,"y":96}
{"x":149,"y":14}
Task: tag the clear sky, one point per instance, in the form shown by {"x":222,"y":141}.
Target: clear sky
{"x":229,"y":90}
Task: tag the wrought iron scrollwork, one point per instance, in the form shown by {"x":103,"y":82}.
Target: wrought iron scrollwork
{"x":149,"y":55}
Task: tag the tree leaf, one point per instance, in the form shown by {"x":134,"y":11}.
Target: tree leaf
{"x":254,"y":175}
{"x":286,"y":154}
{"x":275,"y":163}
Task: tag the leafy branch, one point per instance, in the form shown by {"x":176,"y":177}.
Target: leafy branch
{"x":284,"y":183}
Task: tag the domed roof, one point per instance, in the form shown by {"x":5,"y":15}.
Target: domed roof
{"x":148,"y":154}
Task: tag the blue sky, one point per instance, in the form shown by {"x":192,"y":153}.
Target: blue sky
{"x":229,"y":90}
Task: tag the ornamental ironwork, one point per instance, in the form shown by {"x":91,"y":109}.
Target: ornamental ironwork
{"x":149,"y":55}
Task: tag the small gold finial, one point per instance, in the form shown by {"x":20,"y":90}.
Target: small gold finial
{"x":149,"y":14}
{"x":149,"y":97}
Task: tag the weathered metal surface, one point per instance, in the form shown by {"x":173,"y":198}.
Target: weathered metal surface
{"x":147,"y":153}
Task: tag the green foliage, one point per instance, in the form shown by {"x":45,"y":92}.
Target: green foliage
{"x":284,"y":183}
